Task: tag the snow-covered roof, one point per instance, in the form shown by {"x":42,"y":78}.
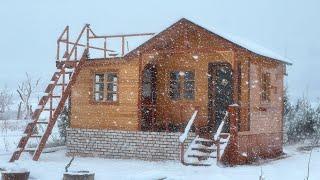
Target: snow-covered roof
{"x":242,"y":42}
{"x":251,"y":46}
{"x":245,"y":43}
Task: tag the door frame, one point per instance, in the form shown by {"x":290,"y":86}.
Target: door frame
{"x":151,"y":103}
{"x":211,"y":126}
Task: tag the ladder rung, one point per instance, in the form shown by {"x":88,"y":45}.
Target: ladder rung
{"x":36,"y":136}
{"x":49,"y":109}
{"x":47,"y":95}
{"x":42,"y":122}
{"x":29,"y":149}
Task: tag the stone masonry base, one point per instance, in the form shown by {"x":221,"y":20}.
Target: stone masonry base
{"x":153,"y":146}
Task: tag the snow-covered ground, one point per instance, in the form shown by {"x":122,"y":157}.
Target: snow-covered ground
{"x":51,"y":166}
{"x":12,"y":130}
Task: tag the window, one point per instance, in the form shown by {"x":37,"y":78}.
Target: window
{"x":106,"y":87}
{"x":174,"y":92}
{"x":181,"y":85}
{"x":265,"y":87}
{"x":147,"y":84}
{"x":99,"y":87}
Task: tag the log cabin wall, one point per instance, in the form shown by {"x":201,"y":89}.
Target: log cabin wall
{"x":187,"y":49}
{"x":184,"y":46}
{"x":179,"y":111}
{"x":121,"y":115}
{"x":176,"y":49}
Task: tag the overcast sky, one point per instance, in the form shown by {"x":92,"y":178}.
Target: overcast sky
{"x":291,"y":28}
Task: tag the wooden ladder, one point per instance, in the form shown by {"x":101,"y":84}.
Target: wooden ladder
{"x":69,"y":68}
{"x":54,"y":112}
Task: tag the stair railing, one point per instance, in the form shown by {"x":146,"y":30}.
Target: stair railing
{"x":216,"y":137}
{"x":232,"y":146}
{"x":218,"y":133}
{"x":90,"y":35}
{"x":184,"y":136}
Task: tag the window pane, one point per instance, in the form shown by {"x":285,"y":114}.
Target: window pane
{"x":147,"y":76}
{"x":98,"y":96}
{"x":99,"y":78}
{"x":189,"y":75}
{"x":189,"y":85}
{"x":189,"y":94}
{"x":99,"y":87}
{"x":112,"y":77}
{"x":265,"y":87}
{"x":174,"y":91}
{"x":111,"y":96}
{"x":146,"y":92}
{"x":174,"y":75}
{"x":112,"y":87}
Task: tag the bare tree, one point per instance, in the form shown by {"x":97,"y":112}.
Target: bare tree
{"x":5,"y":101}
{"x":25,"y":91}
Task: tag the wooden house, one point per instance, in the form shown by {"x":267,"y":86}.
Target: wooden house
{"x":186,"y":93}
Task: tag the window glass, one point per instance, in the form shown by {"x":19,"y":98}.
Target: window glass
{"x":181,"y":85}
{"x":99,"y":87}
{"x":174,"y":92}
{"x":112,"y":77}
{"x":111,"y":96}
{"x":106,"y":87}
{"x":265,"y":87}
{"x":189,"y":94}
{"x":98,"y":96}
{"x":188,"y":75}
{"x":174,"y":75}
{"x":99,"y":78}
{"x":147,"y":83}
{"x":189,"y":85}
{"x":146,"y":93}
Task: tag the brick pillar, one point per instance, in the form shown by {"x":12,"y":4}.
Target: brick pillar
{"x":233,"y":146}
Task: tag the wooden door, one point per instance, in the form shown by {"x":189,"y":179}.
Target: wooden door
{"x":148,"y":98}
{"x":220,"y":92}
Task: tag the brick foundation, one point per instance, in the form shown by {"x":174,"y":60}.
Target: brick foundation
{"x":116,"y":144}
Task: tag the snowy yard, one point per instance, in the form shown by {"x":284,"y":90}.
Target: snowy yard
{"x":51,"y":165}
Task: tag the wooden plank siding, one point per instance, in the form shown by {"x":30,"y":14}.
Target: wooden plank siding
{"x":121,"y":115}
{"x":176,"y":49}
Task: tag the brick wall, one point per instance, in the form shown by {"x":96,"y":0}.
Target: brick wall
{"x":116,"y":144}
{"x":264,"y":145}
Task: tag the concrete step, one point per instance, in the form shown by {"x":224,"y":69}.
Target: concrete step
{"x":201,"y":157}
{"x":204,"y":150}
